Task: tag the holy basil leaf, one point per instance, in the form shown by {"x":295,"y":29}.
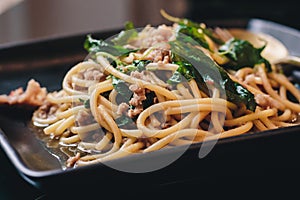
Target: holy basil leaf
{"x":242,"y":54}
{"x":186,"y":69}
{"x":94,"y":45}
{"x":125,"y":35}
{"x":189,"y":23}
{"x":194,"y":34}
{"x":129,"y":25}
{"x":86,"y":103}
{"x":121,"y":87}
{"x":125,"y":122}
{"x":207,"y":72}
{"x":184,"y":72}
{"x":176,"y":78}
{"x":137,"y":65}
{"x":141,"y":64}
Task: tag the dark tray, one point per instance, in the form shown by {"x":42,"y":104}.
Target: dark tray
{"x":269,"y":154}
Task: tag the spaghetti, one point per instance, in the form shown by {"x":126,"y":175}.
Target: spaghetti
{"x":112,"y":105}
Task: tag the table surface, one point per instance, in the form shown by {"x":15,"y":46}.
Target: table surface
{"x":269,"y":185}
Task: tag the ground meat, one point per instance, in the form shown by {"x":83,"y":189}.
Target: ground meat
{"x":91,"y":74}
{"x":151,"y":36}
{"x":134,"y":112}
{"x":139,"y":95}
{"x":266,"y":101}
{"x":84,"y":118}
{"x":79,"y":88}
{"x":72,"y":160}
{"x":94,"y":75}
{"x":159,"y":55}
{"x":140,"y":75}
{"x":46,"y":110}
{"x":34,"y":95}
{"x":122,"y":108}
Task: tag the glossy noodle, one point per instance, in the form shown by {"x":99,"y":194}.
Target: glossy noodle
{"x":139,"y":95}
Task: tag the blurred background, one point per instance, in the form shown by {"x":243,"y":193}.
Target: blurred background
{"x":31,"y":19}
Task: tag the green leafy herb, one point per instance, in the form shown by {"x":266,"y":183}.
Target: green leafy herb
{"x":125,"y":122}
{"x":141,"y":64}
{"x":206,"y":72}
{"x":242,"y":54}
{"x":129,"y":25}
{"x":86,"y":103}
{"x":193,"y":25}
{"x":185,"y":72}
{"x":94,"y":45}
{"x":176,"y":78}
{"x":126,"y":35}
{"x":193,"y":33}
{"x":137,"y":65}
{"x":121,"y":87}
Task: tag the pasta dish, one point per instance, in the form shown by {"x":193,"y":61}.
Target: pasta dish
{"x":159,"y":87}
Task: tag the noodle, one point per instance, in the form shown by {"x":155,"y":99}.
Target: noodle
{"x":93,"y":111}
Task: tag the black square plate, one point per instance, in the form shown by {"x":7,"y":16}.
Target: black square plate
{"x":47,"y":61}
